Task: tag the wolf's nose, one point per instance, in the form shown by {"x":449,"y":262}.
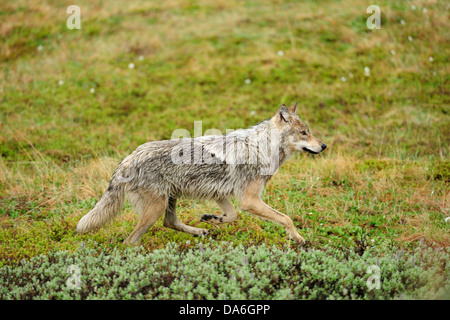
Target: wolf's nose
{"x":323,"y":146}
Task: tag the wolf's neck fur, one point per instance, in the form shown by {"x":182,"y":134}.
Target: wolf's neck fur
{"x":281,"y":138}
{"x":269,"y":135}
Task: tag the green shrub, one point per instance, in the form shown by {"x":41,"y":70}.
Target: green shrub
{"x":223,"y":271}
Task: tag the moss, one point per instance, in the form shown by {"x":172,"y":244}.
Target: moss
{"x":441,"y":171}
{"x":376,"y":164}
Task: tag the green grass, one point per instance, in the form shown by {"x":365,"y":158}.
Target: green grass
{"x":382,"y":182}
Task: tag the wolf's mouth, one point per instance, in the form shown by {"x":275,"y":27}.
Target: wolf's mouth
{"x":310,"y":151}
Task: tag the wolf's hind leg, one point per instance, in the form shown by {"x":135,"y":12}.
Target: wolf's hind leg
{"x":171,"y":221}
{"x":151,"y":209}
{"x":229,"y":214}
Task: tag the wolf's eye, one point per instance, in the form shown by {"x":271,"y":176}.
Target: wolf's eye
{"x":303,"y":133}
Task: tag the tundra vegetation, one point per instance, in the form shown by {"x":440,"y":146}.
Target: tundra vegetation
{"x":74,"y":103}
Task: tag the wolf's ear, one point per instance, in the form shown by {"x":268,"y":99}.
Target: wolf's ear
{"x":293,"y":108}
{"x":283,"y":113}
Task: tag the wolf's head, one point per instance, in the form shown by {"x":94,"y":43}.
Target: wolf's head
{"x":297,"y":134}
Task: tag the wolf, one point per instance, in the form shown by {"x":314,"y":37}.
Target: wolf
{"x":236,"y":165}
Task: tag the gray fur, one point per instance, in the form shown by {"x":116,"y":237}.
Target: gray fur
{"x":207,"y":167}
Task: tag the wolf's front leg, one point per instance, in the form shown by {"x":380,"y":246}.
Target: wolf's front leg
{"x":252,"y":203}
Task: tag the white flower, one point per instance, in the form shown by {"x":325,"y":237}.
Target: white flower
{"x":367,"y":71}
{"x":248,"y":81}
{"x":393,"y":52}
{"x":350,"y":75}
{"x":252,"y":113}
{"x":424,"y":10}
{"x":131,"y":65}
{"x":410,"y":38}
{"x":310,"y":213}
{"x":40,"y":47}
{"x":280,"y":53}
{"x":402,"y":22}
{"x":92,"y":90}
{"x":413,"y":7}
{"x":141,"y":58}
{"x":61,"y":82}
{"x":343,"y":79}
{"x":431,"y":59}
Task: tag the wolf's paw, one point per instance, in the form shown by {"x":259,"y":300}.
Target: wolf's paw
{"x":210,"y":218}
{"x":202,"y":233}
{"x":300,"y":241}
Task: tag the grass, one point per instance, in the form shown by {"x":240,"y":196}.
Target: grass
{"x":382,"y":182}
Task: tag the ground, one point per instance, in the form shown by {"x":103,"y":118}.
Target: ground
{"x":75,"y":102}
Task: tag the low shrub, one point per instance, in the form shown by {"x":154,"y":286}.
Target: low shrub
{"x":223,"y":271}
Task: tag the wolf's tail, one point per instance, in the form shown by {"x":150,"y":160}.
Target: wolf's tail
{"x":104,"y":211}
